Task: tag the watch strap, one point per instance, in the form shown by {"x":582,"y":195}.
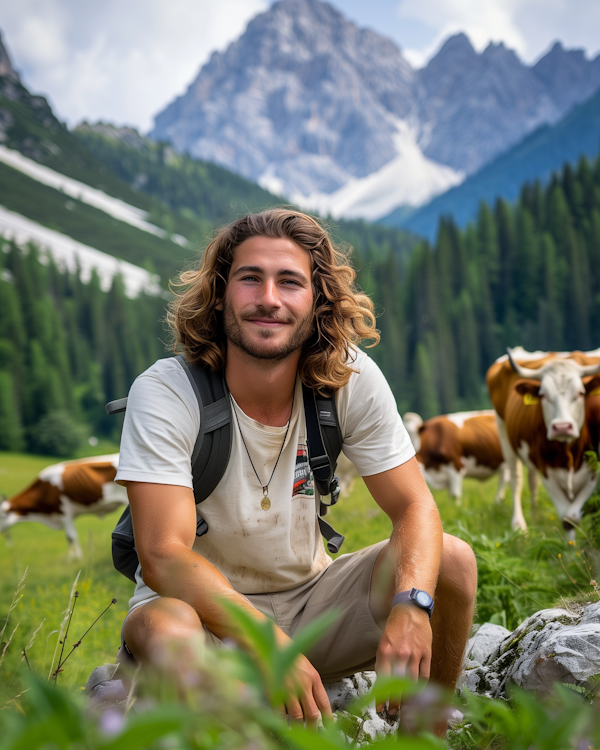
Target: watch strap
{"x":404,"y":597}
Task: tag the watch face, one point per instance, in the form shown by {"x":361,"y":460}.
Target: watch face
{"x":423,"y":599}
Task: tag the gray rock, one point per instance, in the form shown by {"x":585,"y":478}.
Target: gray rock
{"x":103,"y":690}
{"x":485,"y":642}
{"x":553,"y":645}
{"x":369,"y":724}
{"x":6,"y":66}
{"x":343,"y":692}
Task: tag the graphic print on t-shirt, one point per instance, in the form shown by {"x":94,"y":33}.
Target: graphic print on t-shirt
{"x":303,"y":478}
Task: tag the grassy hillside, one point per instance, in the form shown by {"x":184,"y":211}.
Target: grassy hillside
{"x":535,"y":158}
{"x":89,"y":225}
{"x":178,"y":181}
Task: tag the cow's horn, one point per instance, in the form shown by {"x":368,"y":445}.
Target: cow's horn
{"x":585,"y":370}
{"x":523,"y":372}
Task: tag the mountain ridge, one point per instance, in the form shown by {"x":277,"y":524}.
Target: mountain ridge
{"x":537,"y":157}
{"x":305,"y":103}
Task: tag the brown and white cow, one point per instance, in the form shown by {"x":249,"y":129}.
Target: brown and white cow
{"x":548,"y":413}
{"x":62,"y":492}
{"x":453,"y":446}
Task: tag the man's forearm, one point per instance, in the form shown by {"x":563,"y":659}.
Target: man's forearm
{"x":416,"y":548}
{"x":179,"y":572}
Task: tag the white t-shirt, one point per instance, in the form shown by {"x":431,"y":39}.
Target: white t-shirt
{"x":258,"y":551}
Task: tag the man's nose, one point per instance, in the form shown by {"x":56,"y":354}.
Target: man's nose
{"x":269,"y":296}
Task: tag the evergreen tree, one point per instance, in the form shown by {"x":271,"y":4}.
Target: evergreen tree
{"x":11,"y":429}
{"x":425,"y":398}
{"x":467,"y":349}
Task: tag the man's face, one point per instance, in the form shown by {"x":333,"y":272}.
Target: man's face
{"x":268,"y":305}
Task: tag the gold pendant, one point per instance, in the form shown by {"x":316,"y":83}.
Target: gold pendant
{"x":265,"y":503}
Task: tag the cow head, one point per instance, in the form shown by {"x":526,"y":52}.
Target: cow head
{"x":4,"y":509}
{"x":413,"y":423}
{"x":560,"y":387}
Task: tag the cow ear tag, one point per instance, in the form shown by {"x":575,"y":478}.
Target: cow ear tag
{"x":529,"y":399}
{"x":595,"y":392}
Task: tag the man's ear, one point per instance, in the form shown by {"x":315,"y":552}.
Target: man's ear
{"x":531,"y":387}
{"x":592,"y":385}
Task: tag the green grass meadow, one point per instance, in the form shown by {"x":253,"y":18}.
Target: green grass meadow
{"x":519,"y":574}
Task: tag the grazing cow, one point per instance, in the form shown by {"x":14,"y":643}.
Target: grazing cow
{"x":548,"y":413}
{"x":454,"y":446}
{"x":64,"y":491}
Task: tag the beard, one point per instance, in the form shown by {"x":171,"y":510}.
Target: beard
{"x":297,"y":336}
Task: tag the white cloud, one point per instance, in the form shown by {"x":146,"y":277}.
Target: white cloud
{"x":119,"y":60}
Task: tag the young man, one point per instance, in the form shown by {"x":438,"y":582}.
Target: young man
{"x":273,"y":303}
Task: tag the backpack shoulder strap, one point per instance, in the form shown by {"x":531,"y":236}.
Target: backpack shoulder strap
{"x":213,"y":444}
{"x":324,"y":439}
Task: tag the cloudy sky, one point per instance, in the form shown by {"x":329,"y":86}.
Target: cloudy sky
{"x":123,"y":60}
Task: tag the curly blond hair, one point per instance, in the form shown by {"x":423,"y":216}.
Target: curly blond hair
{"x":343,"y":316}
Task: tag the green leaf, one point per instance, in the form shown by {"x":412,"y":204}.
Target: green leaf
{"x":384,"y":688}
{"x":259,"y":634}
{"x":303,"y":640}
{"x":141,"y":731}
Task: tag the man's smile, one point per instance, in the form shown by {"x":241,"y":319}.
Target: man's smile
{"x":268,"y":322}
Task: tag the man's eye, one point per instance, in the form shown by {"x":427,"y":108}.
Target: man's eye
{"x":291,"y":281}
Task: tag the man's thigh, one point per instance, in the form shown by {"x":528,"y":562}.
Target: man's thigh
{"x":350,"y":644}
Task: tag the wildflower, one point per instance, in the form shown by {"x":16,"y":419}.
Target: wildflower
{"x":111,"y":722}
{"x":497,"y":544}
{"x":572,"y":543}
{"x":552,"y":518}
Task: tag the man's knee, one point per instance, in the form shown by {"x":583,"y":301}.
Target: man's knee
{"x":162,"y":620}
{"x":458,"y":574}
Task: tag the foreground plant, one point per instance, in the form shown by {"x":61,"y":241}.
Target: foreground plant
{"x":566,"y":720}
{"x":230,"y":698}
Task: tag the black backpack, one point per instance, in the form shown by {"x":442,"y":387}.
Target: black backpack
{"x":213,"y":447}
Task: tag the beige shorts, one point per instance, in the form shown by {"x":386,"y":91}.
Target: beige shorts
{"x":350,"y":644}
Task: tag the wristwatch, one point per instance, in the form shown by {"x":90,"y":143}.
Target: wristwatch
{"x":416,"y":596}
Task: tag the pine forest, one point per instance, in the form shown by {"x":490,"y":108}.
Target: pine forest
{"x":525,"y":274}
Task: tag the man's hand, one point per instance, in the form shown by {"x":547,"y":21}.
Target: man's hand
{"x":308,"y":697}
{"x":405,"y":647}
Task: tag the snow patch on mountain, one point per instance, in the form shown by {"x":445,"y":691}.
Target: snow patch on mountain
{"x":77,"y":257}
{"x":409,"y":179}
{"x":114,"y":207}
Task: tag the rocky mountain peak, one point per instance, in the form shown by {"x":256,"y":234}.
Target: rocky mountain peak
{"x":308,"y":104}
{"x":499,"y":52}
{"x":455,"y":47}
{"x":568,"y":75}
{"x":303,"y":101}
{"x":6,"y":68}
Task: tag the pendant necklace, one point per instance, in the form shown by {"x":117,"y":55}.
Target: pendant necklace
{"x":265,"y":503}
